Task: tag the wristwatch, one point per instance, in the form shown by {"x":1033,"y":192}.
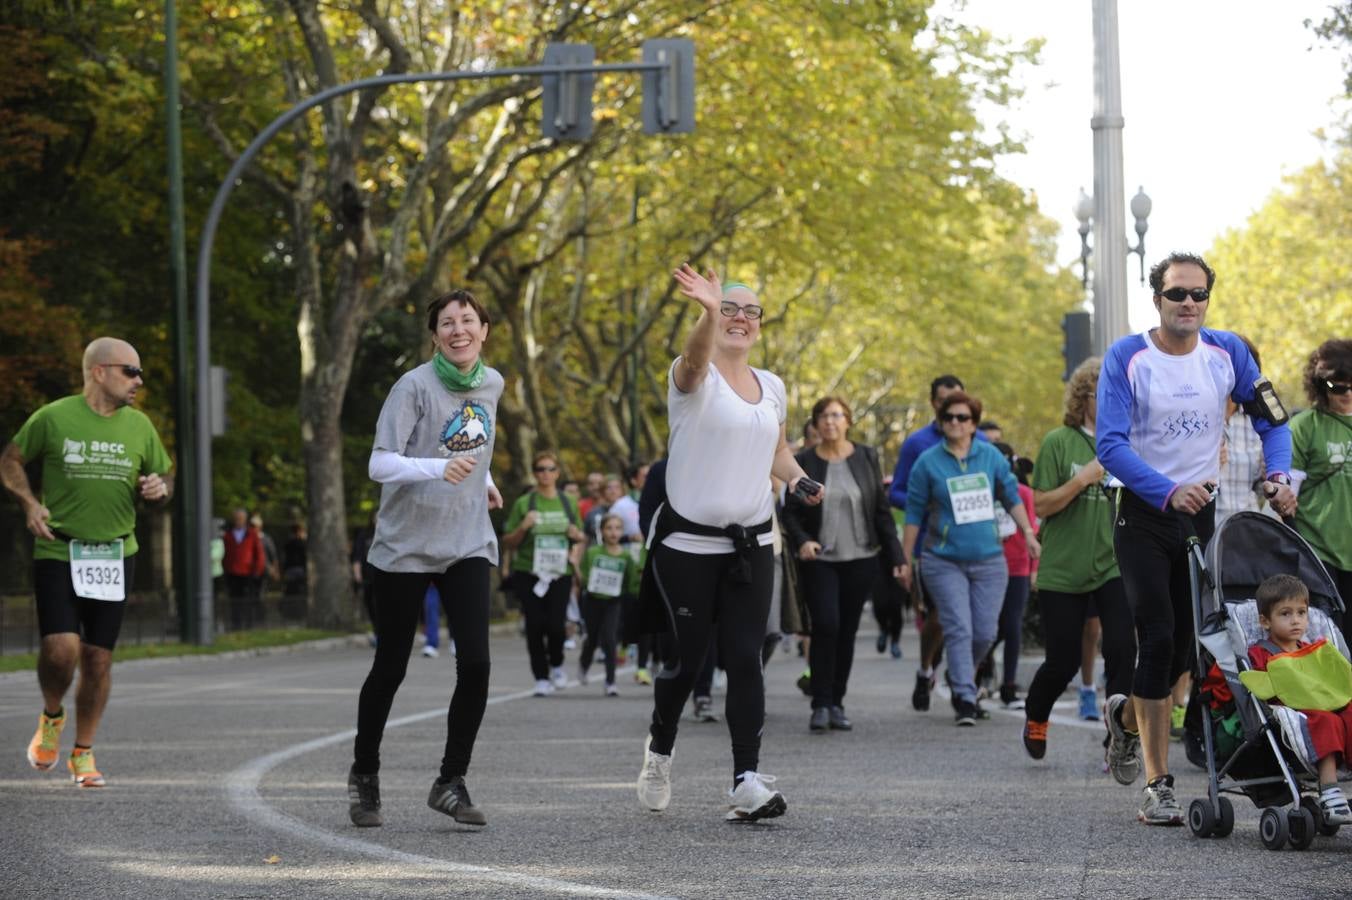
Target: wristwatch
{"x":1280,"y":478}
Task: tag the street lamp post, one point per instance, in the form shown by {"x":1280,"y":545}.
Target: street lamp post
{"x":1104,"y":210}
{"x":1141,"y":205}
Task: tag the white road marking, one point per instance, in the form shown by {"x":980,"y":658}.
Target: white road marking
{"x":241,"y":788}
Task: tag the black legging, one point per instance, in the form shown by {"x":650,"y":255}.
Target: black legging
{"x":1342,"y":579}
{"x":602,"y":617}
{"x":1063,"y":618}
{"x":702,"y":600}
{"x":1151,"y":547}
{"x":546,"y":621}
{"x":399,"y":601}
{"x":835,"y":594}
{"x":888,"y":601}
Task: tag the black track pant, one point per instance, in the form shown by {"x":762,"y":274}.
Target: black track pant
{"x":1342,"y":578}
{"x":888,"y":601}
{"x":398,"y":601}
{"x":1152,"y":553}
{"x":546,"y":621}
{"x":702,"y":601}
{"x":835,"y":593}
{"x":1063,"y":618}
{"x":602,"y":616}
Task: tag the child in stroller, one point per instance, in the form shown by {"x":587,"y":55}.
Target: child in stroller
{"x":1313,"y":678}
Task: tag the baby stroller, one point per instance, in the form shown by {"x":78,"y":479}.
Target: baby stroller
{"x":1261,"y":751}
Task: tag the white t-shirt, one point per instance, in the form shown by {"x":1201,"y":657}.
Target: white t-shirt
{"x":627,"y":509}
{"x":1178,"y":417}
{"x":721,"y":450}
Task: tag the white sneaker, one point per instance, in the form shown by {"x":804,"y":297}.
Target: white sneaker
{"x":753,"y":799}
{"x":611,"y":690}
{"x":1334,"y":807}
{"x":430,"y":652}
{"x":570,"y":644}
{"x":558,"y":678}
{"x":654,"y":779}
{"x":543,"y":688}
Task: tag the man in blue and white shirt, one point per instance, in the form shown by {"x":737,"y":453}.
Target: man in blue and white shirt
{"x":1161,"y":418}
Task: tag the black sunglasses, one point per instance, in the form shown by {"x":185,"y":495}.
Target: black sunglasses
{"x":956,"y":417}
{"x":729,"y":309}
{"x":129,"y":371}
{"x":546,"y":468}
{"x":1337,"y":388}
{"x":1178,"y":295}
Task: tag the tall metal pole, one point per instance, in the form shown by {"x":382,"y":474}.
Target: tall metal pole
{"x":185,"y":524}
{"x":1110,"y":234}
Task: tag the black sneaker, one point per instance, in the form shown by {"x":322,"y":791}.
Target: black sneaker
{"x":838,"y":720}
{"x":820,"y":721}
{"x":452,"y":798}
{"x":363,"y":796}
{"x":965,"y":713}
{"x":982,"y":714}
{"x":1009,"y":697}
{"x":920,"y":697}
{"x":882,"y":643}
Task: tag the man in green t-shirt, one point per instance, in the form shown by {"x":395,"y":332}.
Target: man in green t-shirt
{"x":98,"y":455}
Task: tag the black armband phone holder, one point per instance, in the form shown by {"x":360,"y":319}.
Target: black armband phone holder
{"x":1265,"y":403}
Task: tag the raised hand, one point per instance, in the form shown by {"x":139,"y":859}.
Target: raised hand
{"x":706,"y":289}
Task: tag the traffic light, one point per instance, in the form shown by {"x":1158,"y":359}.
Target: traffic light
{"x":1078,"y":344}
{"x":567,"y":107}
{"x":669,"y":92}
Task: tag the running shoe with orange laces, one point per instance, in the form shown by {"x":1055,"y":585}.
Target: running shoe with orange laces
{"x":1035,"y":738}
{"x":45,"y":747}
{"x":82,"y":769}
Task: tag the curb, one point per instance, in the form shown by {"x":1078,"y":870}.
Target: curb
{"x":495,"y":629}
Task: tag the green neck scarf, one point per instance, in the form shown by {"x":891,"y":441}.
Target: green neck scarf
{"x":453,"y":379}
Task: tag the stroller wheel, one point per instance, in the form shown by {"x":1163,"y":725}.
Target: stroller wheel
{"x":1272,"y":828}
{"x":1201,"y":818}
{"x":1300,"y":825}
{"x":1226,"y":823}
{"x":1311,"y":805}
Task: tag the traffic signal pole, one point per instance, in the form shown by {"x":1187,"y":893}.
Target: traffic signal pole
{"x":668,"y":107}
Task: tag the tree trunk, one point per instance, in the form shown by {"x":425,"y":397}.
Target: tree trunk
{"x":330,"y":590}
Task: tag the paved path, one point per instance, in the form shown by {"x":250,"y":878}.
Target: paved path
{"x":227,"y":779}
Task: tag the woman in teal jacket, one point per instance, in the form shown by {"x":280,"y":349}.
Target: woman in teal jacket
{"x":953,"y":489}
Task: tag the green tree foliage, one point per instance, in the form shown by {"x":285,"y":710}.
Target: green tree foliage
{"x":837,"y":166}
{"x":1284,"y":278}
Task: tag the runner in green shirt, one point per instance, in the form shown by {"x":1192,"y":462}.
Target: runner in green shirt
{"x":1321,"y":447}
{"x":98,"y":457}
{"x":1077,"y":579}
{"x":545,"y":534}
{"x":608,"y":571}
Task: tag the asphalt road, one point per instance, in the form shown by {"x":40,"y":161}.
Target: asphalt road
{"x":227,"y":779}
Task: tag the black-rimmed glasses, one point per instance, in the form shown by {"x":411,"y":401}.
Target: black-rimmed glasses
{"x":730,"y":309}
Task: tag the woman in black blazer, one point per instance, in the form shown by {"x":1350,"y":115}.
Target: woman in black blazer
{"x":837,"y":544}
